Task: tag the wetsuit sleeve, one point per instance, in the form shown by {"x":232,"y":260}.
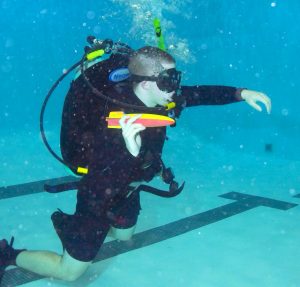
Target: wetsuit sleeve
{"x":210,"y":95}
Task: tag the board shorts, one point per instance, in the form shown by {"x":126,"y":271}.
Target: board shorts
{"x":83,"y":234}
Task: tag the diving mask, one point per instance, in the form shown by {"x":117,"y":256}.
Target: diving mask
{"x":167,"y":80}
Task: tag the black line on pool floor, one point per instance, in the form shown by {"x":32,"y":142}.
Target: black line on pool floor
{"x":242,"y":202}
{"x":32,"y":187}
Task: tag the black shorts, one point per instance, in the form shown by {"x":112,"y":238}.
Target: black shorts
{"x":83,"y":234}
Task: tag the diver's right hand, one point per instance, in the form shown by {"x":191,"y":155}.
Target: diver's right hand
{"x":130,"y":132}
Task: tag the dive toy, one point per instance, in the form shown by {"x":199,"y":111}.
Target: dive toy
{"x":147,"y":120}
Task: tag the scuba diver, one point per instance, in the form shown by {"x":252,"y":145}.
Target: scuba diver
{"x":114,"y":162}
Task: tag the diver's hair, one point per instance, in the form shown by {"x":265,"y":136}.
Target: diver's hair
{"x":148,"y":60}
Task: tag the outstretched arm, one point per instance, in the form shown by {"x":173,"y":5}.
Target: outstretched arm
{"x":210,"y":95}
{"x":221,"y":95}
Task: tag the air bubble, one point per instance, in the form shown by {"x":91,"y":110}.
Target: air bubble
{"x":90,"y":15}
{"x":284,"y":112}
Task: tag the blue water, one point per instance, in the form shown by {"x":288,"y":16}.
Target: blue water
{"x":253,"y":44}
{"x":241,"y":43}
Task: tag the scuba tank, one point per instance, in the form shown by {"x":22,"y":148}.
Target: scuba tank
{"x":113,"y":57}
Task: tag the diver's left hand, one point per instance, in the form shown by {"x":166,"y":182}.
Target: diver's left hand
{"x":252,"y":97}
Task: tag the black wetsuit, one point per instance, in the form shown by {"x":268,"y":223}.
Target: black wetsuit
{"x":102,"y":195}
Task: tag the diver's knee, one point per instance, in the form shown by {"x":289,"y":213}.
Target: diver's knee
{"x":124,"y":237}
{"x":122,"y":234}
{"x":71,"y":269}
{"x":70,"y":275}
